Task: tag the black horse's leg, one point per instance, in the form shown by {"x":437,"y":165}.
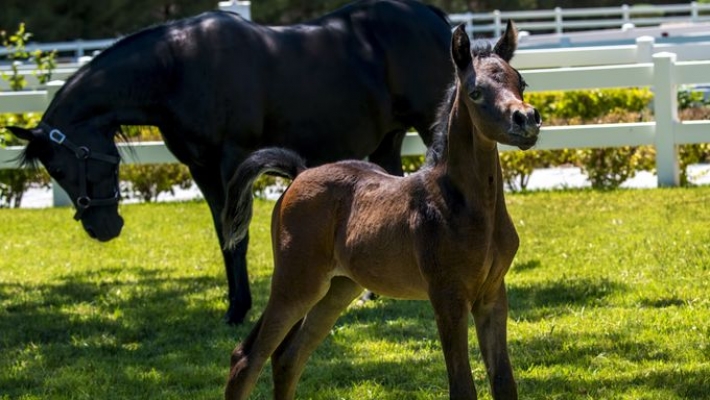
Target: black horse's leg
{"x":388,"y":153}
{"x":210,"y":183}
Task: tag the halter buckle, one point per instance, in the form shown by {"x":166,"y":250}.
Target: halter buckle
{"x":82,"y":153}
{"x":84,"y":202}
{"x":57,"y":136}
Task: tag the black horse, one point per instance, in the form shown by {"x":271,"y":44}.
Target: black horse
{"x":346,"y":85}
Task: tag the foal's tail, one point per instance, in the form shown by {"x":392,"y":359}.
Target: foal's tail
{"x":238,"y":206}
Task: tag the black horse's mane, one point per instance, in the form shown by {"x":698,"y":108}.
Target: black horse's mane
{"x":437,"y":151}
{"x":35,"y":149}
{"x":125,"y":42}
{"x":30,"y":155}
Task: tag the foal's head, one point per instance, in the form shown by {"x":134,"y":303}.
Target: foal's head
{"x":493,"y":90}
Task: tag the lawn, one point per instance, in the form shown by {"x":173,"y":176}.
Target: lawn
{"x":609,"y":299}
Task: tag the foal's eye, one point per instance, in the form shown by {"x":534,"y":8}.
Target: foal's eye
{"x":476,"y":95}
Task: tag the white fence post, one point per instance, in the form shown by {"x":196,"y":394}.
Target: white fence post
{"x":644,"y":46}
{"x":665,"y":105}
{"x":498,"y":24}
{"x":694,"y":12}
{"x":242,"y":8}
{"x":625,"y":13}
{"x":558,"y":21}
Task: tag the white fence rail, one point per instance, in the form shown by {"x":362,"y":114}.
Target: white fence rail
{"x":663,"y":71}
{"x":561,"y":20}
{"x":640,"y":52}
{"x":80,"y":48}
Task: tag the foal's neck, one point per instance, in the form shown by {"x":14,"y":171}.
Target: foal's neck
{"x":472,"y":163}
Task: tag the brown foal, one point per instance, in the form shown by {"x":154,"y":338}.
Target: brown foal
{"x":442,"y":234}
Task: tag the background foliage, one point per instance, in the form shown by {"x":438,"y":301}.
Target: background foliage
{"x":606,"y":168}
{"x":60,"y":20}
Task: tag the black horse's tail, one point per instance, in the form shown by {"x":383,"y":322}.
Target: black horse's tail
{"x":238,"y":207}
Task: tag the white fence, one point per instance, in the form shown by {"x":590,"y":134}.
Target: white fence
{"x":80,"y":48}
{"x":559,"y":20}
{"x":562,"y":20}
{"x":641,"y":65}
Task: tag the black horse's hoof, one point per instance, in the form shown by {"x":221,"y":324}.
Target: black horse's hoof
{"x":367,"y":296}
{"x":234,"y":315}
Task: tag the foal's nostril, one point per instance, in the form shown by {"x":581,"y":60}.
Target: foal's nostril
{"x":537,"y":117}
{"x":519,"y":118}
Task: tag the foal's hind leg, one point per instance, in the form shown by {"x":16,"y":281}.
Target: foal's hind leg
{"x":285,"y":308}
{"x":290,"y":358}
{"x":491,"y":319}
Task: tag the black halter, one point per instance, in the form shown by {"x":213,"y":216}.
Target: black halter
{"x":83,"y":155}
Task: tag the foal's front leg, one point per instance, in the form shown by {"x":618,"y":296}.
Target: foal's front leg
{"x":451,"y":309}
{"x":491,"y":318}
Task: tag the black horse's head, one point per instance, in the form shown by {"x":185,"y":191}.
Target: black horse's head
{"x":84,"y":162}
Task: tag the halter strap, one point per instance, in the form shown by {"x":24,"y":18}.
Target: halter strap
{"x":83,"y":155}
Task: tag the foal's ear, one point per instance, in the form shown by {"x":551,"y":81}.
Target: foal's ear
{"x":461,"y":48}
{"x":26,"y":134}
{"x":505,"y":48}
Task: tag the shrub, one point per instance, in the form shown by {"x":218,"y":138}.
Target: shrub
{"x":607,"y":168}
{"x":15,"y":182}
{"x":147,"y":181}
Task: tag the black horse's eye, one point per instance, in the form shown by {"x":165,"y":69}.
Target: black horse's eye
{"x":476,"y":95}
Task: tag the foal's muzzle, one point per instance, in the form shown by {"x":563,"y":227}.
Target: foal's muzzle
{"x":527,"y":121}
{"x":525,"y":127}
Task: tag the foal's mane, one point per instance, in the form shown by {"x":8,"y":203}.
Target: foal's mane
{"x":440,"y":141}
{"x":438,"y":149}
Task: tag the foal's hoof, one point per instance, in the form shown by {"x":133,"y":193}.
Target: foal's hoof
{"x":234,"y":315}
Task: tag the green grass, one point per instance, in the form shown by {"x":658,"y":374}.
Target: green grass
{"x":609,"y":299}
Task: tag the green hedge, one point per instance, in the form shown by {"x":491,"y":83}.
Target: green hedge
{"x":607,"y":168}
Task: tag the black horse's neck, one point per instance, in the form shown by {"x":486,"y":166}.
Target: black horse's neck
{"x":124,"y":85}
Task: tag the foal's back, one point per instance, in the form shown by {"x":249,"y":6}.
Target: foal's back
{"x":355,"y":220}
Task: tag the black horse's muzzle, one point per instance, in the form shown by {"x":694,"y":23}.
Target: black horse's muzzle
{"x":100,"y":226}
{"x":101,"y":229}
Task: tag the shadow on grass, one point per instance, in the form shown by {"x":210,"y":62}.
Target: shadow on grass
{"x":135,"y":329}
{"x":534,"y":302}
{"x":657,"y":384}
{"x":526,"y":266}
{"x":156,"y":336}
